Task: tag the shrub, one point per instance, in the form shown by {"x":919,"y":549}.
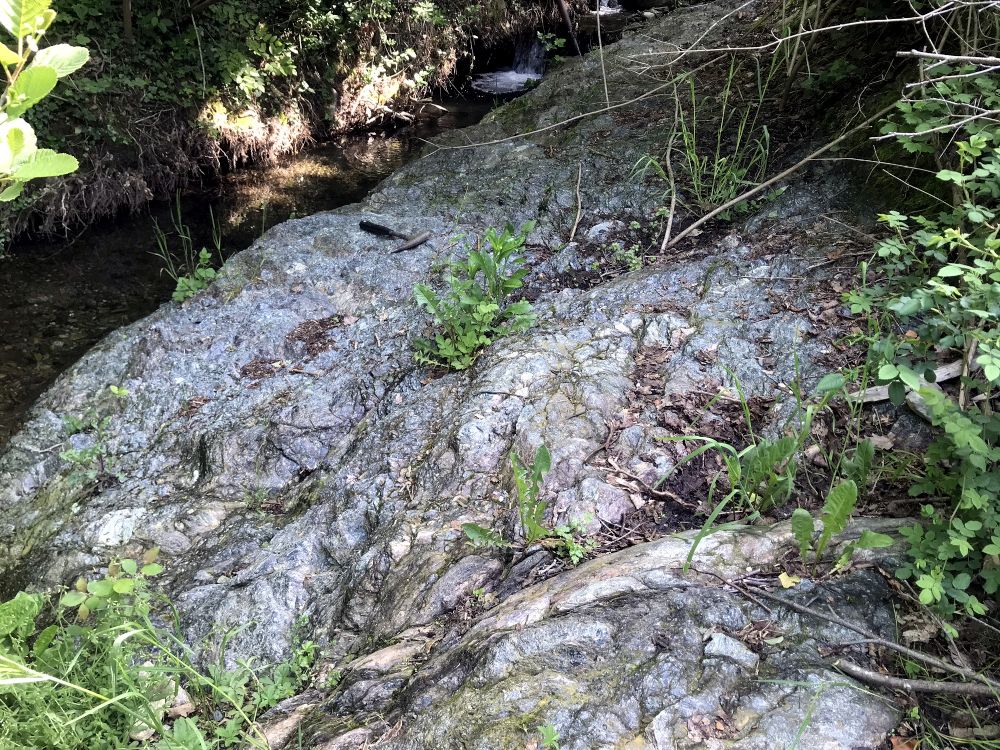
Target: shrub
{"x":941,"y":292}
{"x":31,"y":73}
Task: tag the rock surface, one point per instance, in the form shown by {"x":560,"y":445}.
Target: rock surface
{"x":290,"y":460}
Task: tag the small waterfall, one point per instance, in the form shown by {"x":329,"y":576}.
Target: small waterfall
{"x":529,"y":57}
{"x":528,"y":67}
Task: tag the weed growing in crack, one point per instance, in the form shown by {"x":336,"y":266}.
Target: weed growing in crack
{"x":475,"y":311}
{"x":92,"y":463}
{"x":567,"y":540}
{"x":762,"y":475}
{"x":837,"y":511}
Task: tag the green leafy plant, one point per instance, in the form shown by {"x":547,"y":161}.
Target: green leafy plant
{"x":837,"y":511}
{"x":32,"y":73}
{"x":936,"y":280}
{"x":475,"y":312}
{"x":548,"y":736}
{"x":761,"y":475}
{"x":92,"y":668}
{"x":630,"y":257}
{"x":93,"y":463}
{"x":192,"y":272}
{"x":528,"y":481}
{"x":568,"y":540}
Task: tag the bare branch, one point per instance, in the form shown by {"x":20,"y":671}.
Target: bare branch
{"x":920,"y":686}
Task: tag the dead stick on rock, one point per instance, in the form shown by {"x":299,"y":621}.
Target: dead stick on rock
{"x":670,"y":174}
{"x":918,"y":655}
{"x":778,"y":177}
{"x":919,"y":686}
{"x":579,"y":202}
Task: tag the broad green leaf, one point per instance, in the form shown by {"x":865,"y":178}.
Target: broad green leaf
{"x":46,"y":163}
{"x":129,"y":566}
{"x":101,"y":588}
{"x":44,"y":639}
{"x":887,"y":372}
{"x":803,"y":528}
{"x":543,"y":460}
{"x":11,"y":192}
{"x":62,"y":58}
{"x":73,"y":599}
{"x":33,"y":85}
{"x":873,"y":540}
{"x":8,"y":56}
{"x":897,"y":393}
{"x":17,"y":143}
{"x":124,"y":585}
{"x":836,"y":511}
{"x":832,"y":381}
{"x":151,"y":569}
{"x":15,"y":15}
{"x":17,"y":616}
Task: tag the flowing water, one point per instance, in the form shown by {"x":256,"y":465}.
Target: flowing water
{"x":527,"y":68}
{"x":58,"y":298}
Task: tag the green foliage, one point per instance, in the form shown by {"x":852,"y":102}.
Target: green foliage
{"x":548,"y":736}
{"x":567,"y":540}
{"x":737,"y":155}
{"x":940,"y":289}
{"x":762,"y":475}
{"x":475,"y":312}
{"x":31,"y":75}
{"x":528,"y":481}
{"x":630,"y":257}
{"x":192,"y":272}
{"x":92,"y":463}
{"x":837,"y":511}
{"x":92,"y":669}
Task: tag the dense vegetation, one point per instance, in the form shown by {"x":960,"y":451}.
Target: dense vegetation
{"x":176,"y":88}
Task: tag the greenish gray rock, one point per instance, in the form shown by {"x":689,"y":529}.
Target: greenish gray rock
{"x":281,"y":447}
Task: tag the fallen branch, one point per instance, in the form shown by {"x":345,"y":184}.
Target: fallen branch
{"x":942,"y":58}
{"x":780,"y":176}
{"x":914,"y":686}
{"x":579,"y":203}
{"x":872,"y":637}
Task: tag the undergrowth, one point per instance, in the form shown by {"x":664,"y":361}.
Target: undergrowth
{"x":96,"y":668}
{"x":475,"y":310}
{"x":568,"y":540}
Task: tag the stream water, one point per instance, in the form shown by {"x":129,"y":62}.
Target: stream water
{"x":58,"y":298}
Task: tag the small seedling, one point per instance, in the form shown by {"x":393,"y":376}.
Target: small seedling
{"x":837,"y":511}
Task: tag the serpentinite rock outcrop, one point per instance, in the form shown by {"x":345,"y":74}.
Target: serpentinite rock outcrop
{"x":291,"y":461}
